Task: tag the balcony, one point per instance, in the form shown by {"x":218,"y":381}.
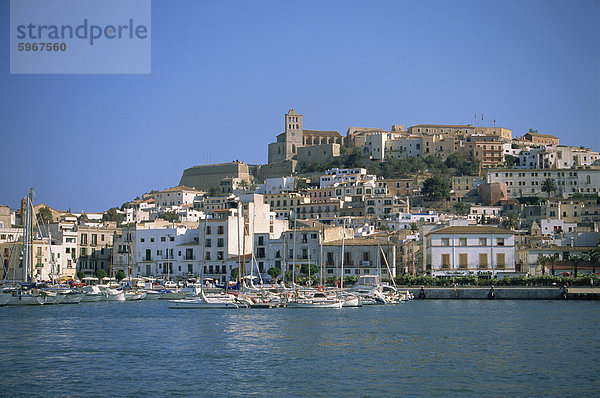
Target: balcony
{"x":189,"y":258}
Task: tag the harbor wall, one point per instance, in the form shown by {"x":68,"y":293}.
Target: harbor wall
{"x":481,"y":293}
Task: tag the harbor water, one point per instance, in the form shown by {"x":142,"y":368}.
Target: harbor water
{"x":418,"y":348}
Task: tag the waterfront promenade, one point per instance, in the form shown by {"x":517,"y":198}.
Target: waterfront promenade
{"x":505,"y":293}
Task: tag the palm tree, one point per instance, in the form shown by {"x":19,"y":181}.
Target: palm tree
{"x":576,"y":259}
{"x":244,"y":185}
{"x":549,"y":186}
{"x":553,"y":259}
{"x":542,"y":261}
{"x":510,"y":221}
{"x":595,"y":256}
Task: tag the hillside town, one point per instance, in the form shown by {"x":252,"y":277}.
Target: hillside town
{"x":434,"y":200}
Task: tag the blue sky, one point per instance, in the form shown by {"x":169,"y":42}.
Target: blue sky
{"x":225,"y":72}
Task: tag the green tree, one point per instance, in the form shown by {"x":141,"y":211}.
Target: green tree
{"x":414,"y":227}
{"x":462,"y":208}
{"x":80,"y":275}
{"x":532,"y":131}
{"x":436,"y":188}
{"x":542,"y":262}
{"x":510,"y":161}
{"x":300,"y":184}
{"x":214,"y":191}
{"x":82,"y":218}
{"x":576,"y":259}
{"x":101,"y":274}
{"x":235,"y":273}
{"x":549,"y":186}
{"x":170,"y":216}
{"x":553,"y":259}
{"x":510,"y":221}
{"x":274,"y":272}
{"x":44,"y":215}
{"x":120,"y":275}
{"x":113,"y":215}
{"x":354,"y":159}
{"x":593,"y":256}
{"x":244,"y":185}
{"x":305,"y":268}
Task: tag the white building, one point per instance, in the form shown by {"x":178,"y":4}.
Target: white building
{"x":529,"y":183}
{"x":337,"y":175}
{"x":404,"y":148}
{"x":278,"y":185}
{"x":166,"y":252}
{"x":175,"y":197}
{"x":403,"y":221}
{"x":476,"y":212}
{"x":464,"y":250}
{"x":553,"y":226}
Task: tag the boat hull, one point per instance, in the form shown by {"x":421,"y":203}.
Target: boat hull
{"x":315,"y":304}
{"x":202,"y":304}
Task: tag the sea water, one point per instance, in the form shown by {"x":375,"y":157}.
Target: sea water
{"x":418,"y":348}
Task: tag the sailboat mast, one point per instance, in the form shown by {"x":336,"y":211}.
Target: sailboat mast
{"x":342,"y":262}
{"x":294,"y":253}
{"x":284,"y":267}
{"x":203,"y":256}
{"x":29,"y":240}
{"x":321,"y":257}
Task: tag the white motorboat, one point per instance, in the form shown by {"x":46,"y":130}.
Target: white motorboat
{"x":92,"y":294}
{"x":134,"y":295}
{"x":152,"y":294}
{"x":208,"y":302}
{"x":350,"y":300}
{"x":318,"y":300}
{"x":113,"y":295}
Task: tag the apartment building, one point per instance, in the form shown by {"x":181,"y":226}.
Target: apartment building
{"x":529,"y":183}
{"x":464,"y":250}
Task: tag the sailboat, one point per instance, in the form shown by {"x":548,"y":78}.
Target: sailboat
{"x":27,"y":293}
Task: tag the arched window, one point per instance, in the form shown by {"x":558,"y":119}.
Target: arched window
{"x":293,"y":148}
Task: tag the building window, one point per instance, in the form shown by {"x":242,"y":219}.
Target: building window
{"x":483,"y":260}
{"x":500,"y":241}
{"x":445,"y":241}
{"x":500,"y":260}
{"x":463,"y":260}
{"x":208,"y":230}
{"x":220,"y":242}
{"x":462,"y":241}
{"x":482,"y":241}
{"x":445,"y":261}
{"x":220,"y":230}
